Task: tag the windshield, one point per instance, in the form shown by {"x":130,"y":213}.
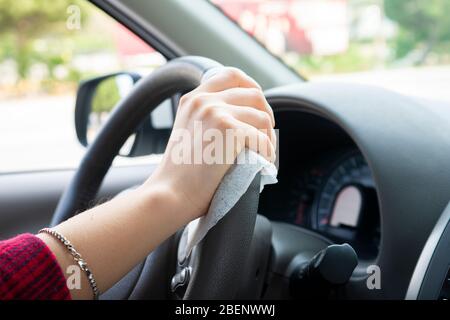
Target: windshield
{"x":402,"y":45}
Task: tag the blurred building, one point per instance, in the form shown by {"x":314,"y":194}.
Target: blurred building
{"x":319,"y":27}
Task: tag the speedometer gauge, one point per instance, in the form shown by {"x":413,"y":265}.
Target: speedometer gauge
{"x":344,"y":195}
{"x":336,"y":196}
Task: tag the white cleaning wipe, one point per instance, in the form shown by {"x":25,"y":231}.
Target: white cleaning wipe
{"x":234,"y":184}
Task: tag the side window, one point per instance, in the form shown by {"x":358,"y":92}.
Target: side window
{"x":45,"y":51}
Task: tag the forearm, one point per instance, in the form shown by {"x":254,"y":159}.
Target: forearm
{"x":115,"y":236}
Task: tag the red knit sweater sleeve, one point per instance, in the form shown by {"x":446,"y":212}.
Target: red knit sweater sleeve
{"x":29,"y":270}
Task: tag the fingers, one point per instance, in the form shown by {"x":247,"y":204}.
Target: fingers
{"x":235,"y":87}
{"x":249,"y":126}
{"x":227,"y":78}
{"x":253,"y":139}
{"x":249,"y":97}
{"x":256,"y":118}
{"x":230,"y":99}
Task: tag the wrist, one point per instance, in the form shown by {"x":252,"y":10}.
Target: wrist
{"x":163,"y":196}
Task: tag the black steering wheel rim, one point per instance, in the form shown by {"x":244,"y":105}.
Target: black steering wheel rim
{"x":223,"y":252}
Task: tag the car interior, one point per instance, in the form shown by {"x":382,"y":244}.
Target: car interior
{"x":360,"y":210}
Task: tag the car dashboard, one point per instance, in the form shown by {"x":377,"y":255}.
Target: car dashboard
{"x":325,"y":184}
{"x":365,"y":166}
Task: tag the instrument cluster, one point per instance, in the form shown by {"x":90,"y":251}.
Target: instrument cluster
{"x":334,"y":196}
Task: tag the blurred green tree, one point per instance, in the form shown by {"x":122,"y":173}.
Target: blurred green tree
{"x":423,"y":24}
{"x":106,"y":96}
{"x":22,"y":22}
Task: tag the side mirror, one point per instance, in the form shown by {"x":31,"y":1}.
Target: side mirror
{"x":97,"y":97}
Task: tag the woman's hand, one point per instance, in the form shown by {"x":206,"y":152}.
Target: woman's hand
{"x":228,"y":103}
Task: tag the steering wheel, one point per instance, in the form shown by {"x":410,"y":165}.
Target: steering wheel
{"x":215,"y":266}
